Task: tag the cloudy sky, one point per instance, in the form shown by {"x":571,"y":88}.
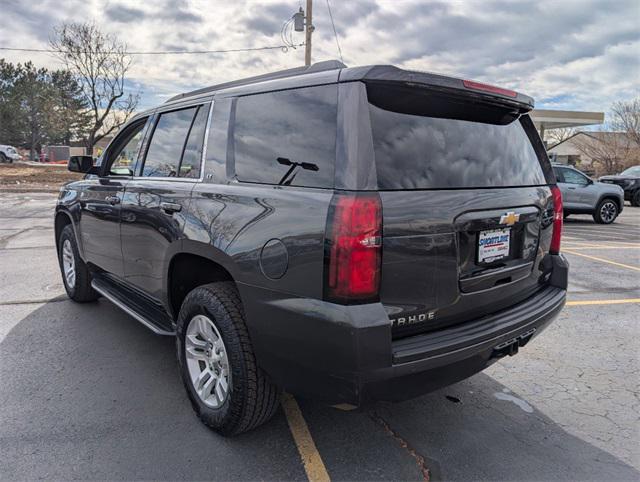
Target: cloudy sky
{"x":567,"y":54}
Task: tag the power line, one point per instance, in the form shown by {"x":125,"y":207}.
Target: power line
{"x":283,"y":47}
{"x":334,"y":31}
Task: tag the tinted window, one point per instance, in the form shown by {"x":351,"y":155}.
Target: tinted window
{"x":298,"y":126}
{"x":217,"y":141}
{"x":167,"y":142}
{"x":192,"y":157}
{"x":422,"y":152}
{"x":124,"y":160}
{"x":573,"y":177}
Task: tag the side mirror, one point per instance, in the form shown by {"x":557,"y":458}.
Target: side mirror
{"x":80,"y":164}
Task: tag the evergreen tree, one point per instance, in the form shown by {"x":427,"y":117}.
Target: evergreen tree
{"x":39,"y":107}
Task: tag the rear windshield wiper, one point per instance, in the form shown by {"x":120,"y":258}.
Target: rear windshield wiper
{"x":286,"y":180}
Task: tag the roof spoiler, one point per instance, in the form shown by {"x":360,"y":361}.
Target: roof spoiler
{"x":388,"y":73}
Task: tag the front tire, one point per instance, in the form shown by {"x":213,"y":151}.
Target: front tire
{"x":606,"y":212}
{"x":75,"y":274}
{"x":228,"y":390}
{"x":635,"y":198}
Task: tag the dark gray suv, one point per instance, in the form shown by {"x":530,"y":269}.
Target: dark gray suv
{"x":346,"y":234}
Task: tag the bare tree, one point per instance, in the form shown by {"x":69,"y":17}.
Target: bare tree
{"x":625,"y":117}
{"x":100,"y":62}
{"x":610,"y":152}
{"x":556,"y":136}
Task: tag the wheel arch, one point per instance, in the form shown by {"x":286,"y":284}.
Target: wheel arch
{"x":616,"y":199}
{"x":196,"y":264}
{"x":63,"y":219}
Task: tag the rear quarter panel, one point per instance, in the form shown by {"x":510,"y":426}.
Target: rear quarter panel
{"x":239,"y":220}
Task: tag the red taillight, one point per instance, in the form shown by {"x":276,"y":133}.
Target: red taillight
{"x":471,"y":84}
{"x":354,"y":245}
{"x":557,"y":220}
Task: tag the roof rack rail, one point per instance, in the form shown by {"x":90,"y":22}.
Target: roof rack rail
{"x":316,"y":67}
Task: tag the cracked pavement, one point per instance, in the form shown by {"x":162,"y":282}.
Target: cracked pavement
{"x":88,"y":393}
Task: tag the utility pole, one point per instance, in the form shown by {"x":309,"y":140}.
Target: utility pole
{"x":304,"y":21}
{"x":308,"y":31}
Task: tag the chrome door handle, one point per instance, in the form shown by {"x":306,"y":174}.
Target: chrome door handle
{"x":170,"y":208}
{"x":113,"y":200}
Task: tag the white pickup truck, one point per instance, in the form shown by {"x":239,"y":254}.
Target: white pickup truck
{"x":8,"y":153}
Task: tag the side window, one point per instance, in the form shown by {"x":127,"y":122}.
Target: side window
{"x":167,"y":143}
{"x":192,"y":157}
{"x":574,"y":177}
{"x":287,"y":137}
{"x":125,"y":152}
{"x":558,"y":172}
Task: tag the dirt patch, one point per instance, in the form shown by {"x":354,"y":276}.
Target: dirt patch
{"x":38,"y":178}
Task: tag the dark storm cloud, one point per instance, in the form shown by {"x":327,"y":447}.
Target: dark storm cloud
{"x":346,"y":15}
{"x":267,"y":26}
{"x":349,"y":14}
{"x":174,"y":12}
{"x":36,"y":20}
{"x":123,"y":14}
{"x":268,"y":20}
{"x":500,"y":33}
{"x":580,"y":54}
{"x":180,"y":15}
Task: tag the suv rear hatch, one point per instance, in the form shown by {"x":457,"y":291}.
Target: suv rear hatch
{"x":466,"y":201}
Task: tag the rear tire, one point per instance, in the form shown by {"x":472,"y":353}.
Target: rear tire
{"x":606,"y":212}
{"x":3,"y":158}
{"x":247,"y":398}
{"x":635,"y":198}
{"x":76,"y":277}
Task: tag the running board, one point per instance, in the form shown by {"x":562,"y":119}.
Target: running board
{"x":127,"y":303}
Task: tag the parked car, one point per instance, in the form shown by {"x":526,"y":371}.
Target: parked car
{"x":583,"y":195}
{"x":629,"y":181}
{"x":346,"y":234}
{"x":8,"y":154}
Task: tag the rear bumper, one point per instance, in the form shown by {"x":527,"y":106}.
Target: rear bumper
{"x":426,"y":362}
{"x":345,"y":354}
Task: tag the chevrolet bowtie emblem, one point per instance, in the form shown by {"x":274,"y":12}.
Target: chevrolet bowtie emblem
{"x":510,"y":218}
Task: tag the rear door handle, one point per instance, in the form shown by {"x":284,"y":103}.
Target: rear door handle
{"x":113,"y":200}
{"x":170,"y":208}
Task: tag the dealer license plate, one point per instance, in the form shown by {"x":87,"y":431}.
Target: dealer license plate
{"x":493,"y":245}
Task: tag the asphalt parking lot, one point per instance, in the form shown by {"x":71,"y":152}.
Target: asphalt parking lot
{"x":86,"y":392}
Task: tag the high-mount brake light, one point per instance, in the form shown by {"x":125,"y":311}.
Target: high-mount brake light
{"x":353,"y":248}
{"x":557,"y":220}
{"x":473,"y":85}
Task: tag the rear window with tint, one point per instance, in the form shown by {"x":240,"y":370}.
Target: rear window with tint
{"x":424,"y":152}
